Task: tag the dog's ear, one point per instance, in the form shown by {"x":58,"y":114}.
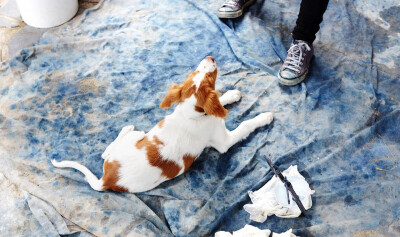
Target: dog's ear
{"x":173,"y":96}
{"x":212,"y":106}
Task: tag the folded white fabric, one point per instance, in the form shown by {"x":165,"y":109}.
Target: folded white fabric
{"x":286,"y":234}
{"x":272,"y":197}
{"x":252,"y":231}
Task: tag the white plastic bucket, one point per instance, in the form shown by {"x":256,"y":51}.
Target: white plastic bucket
{"x":47,"y":13}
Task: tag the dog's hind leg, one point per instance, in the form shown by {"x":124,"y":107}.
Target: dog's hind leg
{"x":124,"y":131}
{"x":121,"y":134}
{"x":224,"y":139}
{"x":230,"y":97}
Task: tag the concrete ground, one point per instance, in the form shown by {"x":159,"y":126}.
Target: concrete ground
{"x":20,"y":35}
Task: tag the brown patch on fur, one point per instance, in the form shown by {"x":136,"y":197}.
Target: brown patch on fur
{"x":188,"y":86}
{"x":212,"y":106}
{"x":211,"y":77}
{"x":173,"y":96}
{"x":178,"y":93}
{"x":157,"y":141}
{"x":142,"y":143}
{"x":160,"y":124}
{"x":188,"y":160}
{"x":199,"y":109}
{"x":169,"y":169}
{"x":207,"y":97}
{"x":111,"y":176}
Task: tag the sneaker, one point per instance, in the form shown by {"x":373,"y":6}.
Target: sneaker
{"x":297,"y":62}
{"x":233,"y":8}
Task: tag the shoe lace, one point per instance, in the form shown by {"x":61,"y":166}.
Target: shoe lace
{"x":231,"y":3}
{"x":296,"y":56}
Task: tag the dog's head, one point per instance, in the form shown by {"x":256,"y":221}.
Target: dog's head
{"x":198,"y":90}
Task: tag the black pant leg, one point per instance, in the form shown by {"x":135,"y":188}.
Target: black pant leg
{"x":308,"y":20}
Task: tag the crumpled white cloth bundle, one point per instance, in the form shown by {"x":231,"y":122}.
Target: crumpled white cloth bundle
{"x":272,"y":198}
{"x":252,"y":231}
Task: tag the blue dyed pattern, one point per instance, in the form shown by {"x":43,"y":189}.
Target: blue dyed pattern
{"x":69,"y":96}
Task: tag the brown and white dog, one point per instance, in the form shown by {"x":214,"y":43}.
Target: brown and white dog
{"x":137,"y":162}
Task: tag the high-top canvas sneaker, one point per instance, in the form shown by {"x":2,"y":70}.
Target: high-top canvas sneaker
{"x":233,"y":8}
{"x":295,"y":68}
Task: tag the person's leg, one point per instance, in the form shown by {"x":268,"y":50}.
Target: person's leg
{"x":296,"y":65}
{"x":308,"y":20}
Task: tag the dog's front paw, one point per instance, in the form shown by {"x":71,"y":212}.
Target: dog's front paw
{"x":265,"y":118}
{"x":232,"y":96}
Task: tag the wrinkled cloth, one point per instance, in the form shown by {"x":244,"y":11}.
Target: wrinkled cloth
{"x":246,"y":231}
{"x":288,"y":233}
{"x":251,"y":231}
{"x":270,"y":199}
{"x":69,"y":95}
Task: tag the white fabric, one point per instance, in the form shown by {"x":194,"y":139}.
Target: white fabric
{"x":265,"y":202}
{"x":286,"y":234}
{"x":252,"y":231}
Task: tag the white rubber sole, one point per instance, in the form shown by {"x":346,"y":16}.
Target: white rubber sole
{"x":292,"y":82}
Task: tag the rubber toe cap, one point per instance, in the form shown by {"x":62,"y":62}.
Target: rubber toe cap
{"x":225,"y":9}
{"x":287,"y":75}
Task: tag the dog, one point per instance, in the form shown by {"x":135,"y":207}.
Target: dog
{"x":137,"y":162}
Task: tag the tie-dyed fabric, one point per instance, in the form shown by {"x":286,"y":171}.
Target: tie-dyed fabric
{"x":69,"y":95}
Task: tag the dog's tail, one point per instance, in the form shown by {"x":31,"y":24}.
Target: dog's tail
{"x":95,"y":183}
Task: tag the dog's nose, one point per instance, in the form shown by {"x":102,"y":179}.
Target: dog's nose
{"x":210,"y":58}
